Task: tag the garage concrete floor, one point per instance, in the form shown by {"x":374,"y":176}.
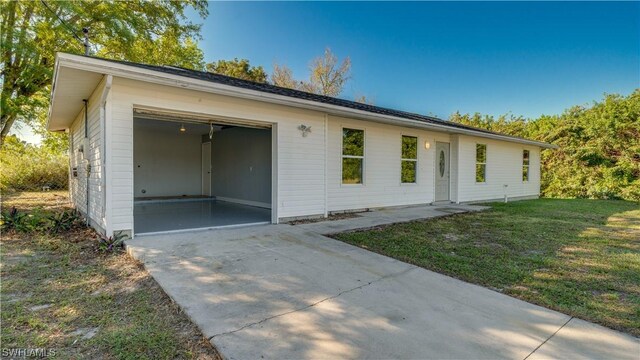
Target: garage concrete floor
{"x":280,"y":291}
{"x":171,"y":215}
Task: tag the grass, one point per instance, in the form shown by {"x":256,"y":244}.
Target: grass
{"x":580,"y":257}
{"x":57,"y":290}
{"x":27,"y":201}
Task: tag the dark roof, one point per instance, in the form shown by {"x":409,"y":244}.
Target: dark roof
{"x":277,"y":90}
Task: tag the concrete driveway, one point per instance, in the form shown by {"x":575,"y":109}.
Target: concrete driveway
{"x":280,"y":291}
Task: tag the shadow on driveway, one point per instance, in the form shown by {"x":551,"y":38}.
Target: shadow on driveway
{"x":281,"y":291}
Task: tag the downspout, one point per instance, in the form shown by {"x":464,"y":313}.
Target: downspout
{"x":103,"y":141}
{"x":85,"y":152}
{"x":86,"y":118}
{"x":70,"y":154}
{"x":326,"y":162}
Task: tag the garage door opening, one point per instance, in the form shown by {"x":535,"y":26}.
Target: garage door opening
{"x":190,"y":174}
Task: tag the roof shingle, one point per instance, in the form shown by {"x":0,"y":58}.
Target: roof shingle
{"x":277,"y":90}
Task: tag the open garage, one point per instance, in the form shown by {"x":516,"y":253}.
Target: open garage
{"x":159,"y":148}
{"x":190,"y":174}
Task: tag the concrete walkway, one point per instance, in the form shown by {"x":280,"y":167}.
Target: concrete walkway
{"x":280,"y":291}
{"x":378,"y":217}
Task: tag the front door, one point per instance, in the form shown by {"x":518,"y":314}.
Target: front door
{"x":206,"y":169}
{"x":442,"y":171}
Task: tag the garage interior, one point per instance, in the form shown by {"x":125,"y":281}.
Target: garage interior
{"x":196,"y":175}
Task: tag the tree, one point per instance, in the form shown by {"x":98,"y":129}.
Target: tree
{"x":240,"y":69}
{"x":598,"y":147}
{"x":363,"y":100}
{"x":27,"y":167}
{"x":326,"y":76}
{"x":32,"y":32}
{"x":283,"y":76}
{"x":505,"y":124}
{"x":166,"y":49}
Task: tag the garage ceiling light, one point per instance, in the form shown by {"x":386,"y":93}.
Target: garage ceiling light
{"x":182,"y":129}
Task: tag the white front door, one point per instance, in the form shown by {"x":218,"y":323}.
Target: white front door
{"x":442,"y":171}
{"x":206,"y":169}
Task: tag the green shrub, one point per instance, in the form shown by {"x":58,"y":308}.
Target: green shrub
{"x":39,"y":220}
{"x":32,"y":168}
{"x":599,"y":147}
{"x":11,"y":219}
{"x":112,"y":243}
{"x":64,"y":221}
{"x":23,"y":221}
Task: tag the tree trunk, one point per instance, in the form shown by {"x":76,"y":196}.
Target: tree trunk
{"x":7,"y":122}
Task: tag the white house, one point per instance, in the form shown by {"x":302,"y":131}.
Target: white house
{"x":160,"y":148}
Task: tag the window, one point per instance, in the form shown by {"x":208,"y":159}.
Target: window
{"x":409,"y":159}
{"x":525,"y":165}
{"x":481,"y":163}
{"x":352,"y":156}
{"x":442,"y":163}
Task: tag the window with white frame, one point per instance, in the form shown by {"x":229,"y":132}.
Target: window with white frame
{"x":352,"y":156}
{"x":525,"y":165}
{"x":481,"y":163}
{"x":409,"y":161}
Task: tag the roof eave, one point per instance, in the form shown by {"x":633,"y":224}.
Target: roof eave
{"x":53,"y":90}
{"x":147,"y":75}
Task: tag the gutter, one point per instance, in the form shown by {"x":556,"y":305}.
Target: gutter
{"x":85,"y":154}
{"x":107,"y":89}
{"x":103,"y":144}
{"x":126,"y":71}
{"x":53,"y":89}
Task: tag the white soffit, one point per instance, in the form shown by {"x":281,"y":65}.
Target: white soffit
{"x":71,"y":87}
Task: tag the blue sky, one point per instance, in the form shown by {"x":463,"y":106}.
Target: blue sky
{"x":527,"y":58}
{"x":439,"y":57}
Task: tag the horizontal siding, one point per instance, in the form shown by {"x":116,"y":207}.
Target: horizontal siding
{"x":504,"y":167}
{"x":121,"y":159}
{"x":453,"y":167}
{"x":95,"y":156}
{"x":300,"y":166}
{"x":382,"y":186}
{"x":77,"y":185}
{"x":301,"y":160}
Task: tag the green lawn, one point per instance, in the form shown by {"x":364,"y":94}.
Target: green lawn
{"x":59,"y":293}
{"x":580,"y":257}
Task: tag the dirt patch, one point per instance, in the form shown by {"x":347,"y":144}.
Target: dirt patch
{"x":332,"y":217}
{"x":49,"y":200}
{"x":451,"y":210}
{"x":59,"y":292}
{"x":452,"y":237}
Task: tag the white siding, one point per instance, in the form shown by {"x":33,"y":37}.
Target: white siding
{"x":303,"y":162}
{"x":300,"y":164}
{"x":94,"y":155}
{"x":300,"y":167}
{"x":504,"y":167}
{"x":77,"y":185}
{"x":381,"y":186}
{"x":453,"y":167}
